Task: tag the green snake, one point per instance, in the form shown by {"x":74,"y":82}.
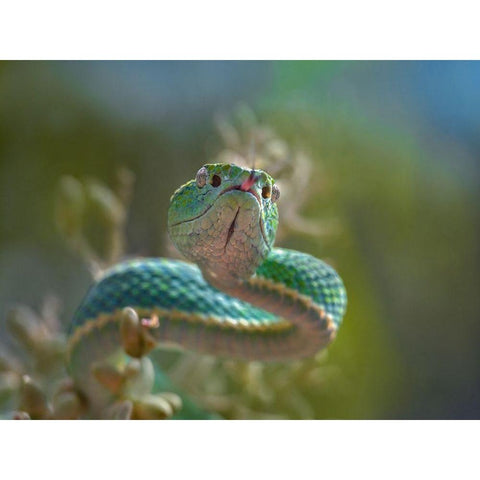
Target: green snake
{"x":239,"y":298}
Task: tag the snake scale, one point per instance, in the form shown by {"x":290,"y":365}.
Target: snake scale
{"x":239,"y":298}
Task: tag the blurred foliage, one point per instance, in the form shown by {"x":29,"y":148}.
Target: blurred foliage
{"x":366,"y":184}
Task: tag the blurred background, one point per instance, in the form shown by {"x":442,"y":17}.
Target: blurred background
{"x":379,"y":168}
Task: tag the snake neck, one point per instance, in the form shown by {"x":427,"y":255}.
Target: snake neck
{"x":226,"y":279}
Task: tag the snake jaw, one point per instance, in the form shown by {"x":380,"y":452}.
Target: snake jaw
{"x":246,"y":187}
{"x":219,"y":226}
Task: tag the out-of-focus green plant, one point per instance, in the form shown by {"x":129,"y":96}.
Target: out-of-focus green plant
{"x":30,"y":376}
{"x":384,"y":189}
{"x":92,"y":217}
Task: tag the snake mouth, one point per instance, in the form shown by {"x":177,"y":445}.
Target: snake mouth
{"x":223,"y":192}
{"x":240,"y":189}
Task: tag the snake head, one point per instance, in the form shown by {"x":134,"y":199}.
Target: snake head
{"x":225,"y":220}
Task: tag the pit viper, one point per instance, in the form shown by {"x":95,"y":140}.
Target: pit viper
{"x":236,"y":297}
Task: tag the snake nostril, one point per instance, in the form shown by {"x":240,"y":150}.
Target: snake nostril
{"x":216,"y":181}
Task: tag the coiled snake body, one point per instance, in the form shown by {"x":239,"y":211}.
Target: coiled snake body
{"x":240,"y":298}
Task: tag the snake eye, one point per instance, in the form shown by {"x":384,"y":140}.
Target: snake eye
{"x":275,"y":193}
{"x":201,"y":177}
{"x":216,"y":181}
{"x":266,"y":191}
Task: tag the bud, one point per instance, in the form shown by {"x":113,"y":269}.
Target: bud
{"x":23,"y":326}
{"x":104,"y":221}
{"x":130,"y":332}
{"x":32,"y":399}
{"x":152,"y":407}
{"x":173,"y":399}
{"x":136,"y":340}
{"x":69,"y":206}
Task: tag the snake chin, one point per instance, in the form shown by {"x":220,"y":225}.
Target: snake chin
{"x":231,"y":229}
{"x":245,"y":194}
{"x":228,"y":240}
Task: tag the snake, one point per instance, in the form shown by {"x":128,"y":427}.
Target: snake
{"x":236,"y":296}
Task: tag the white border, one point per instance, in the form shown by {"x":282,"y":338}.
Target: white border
{"x":240,"y":450}
{"x":247,"y":29}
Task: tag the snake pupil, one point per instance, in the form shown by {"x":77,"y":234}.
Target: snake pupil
{"x":216,"y":181}
{"x":266,"y":192}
